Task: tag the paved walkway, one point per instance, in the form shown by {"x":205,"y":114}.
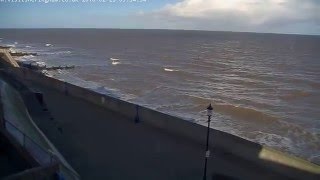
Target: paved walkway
{"x":100,"y":144}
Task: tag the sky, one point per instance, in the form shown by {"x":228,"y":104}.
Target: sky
{"x":270,"y":16}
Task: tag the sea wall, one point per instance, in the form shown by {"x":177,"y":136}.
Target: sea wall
{"x":229,"y":144}
{"x":154,"y":118}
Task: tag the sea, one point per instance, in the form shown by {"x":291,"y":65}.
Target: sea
{"x":263,"y":87}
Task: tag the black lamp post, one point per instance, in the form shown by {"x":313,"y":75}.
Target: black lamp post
{"x":209,"y":114}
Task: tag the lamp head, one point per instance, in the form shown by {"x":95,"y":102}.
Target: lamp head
{"x":209,"y":110}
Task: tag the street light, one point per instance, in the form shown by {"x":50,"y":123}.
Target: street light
{"x":209,"y":114}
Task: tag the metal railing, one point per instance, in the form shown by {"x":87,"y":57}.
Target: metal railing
{"x":40,"y":154}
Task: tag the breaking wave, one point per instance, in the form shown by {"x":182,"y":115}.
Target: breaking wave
{"x":56,"y":53}
{"x":243,"y":113}
{"x":170,"y":70}
{"x":274,"y":140}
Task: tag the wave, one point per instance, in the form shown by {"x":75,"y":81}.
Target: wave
{"x":46,"y":73}
{"x":295,"y":95}
{"x":170,"y":70}
{"x":11,"y":45}
{"x":48,"y":45}
{"x":301,"y":132}
{"x":56,"y":53}
{"x":315,"y":158}
{"x":16,"y":43}
{"x":25,"y":58}
{"x":115,"y":61}
{"x":28,"y":46}
{"x":40,"y":63}
{"x":197,"y":99}
{"x":274,"y":140}
{"x":243,"y":113}
{"x":30,"y":60}
{"x":29,"y":56}
{"x":113,"y":92}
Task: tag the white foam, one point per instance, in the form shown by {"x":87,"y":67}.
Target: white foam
{"x":275,"y":140}
{"x":170,"y":70}
{"x":28,"y":46}
{"x":46,"y":73}
{"x":26,"y":58}
{"x":49,"y":45}
{"x":40,"y":63}
{"x":29,"y":56}
{"x":115,"y":61}
{"x":314,"y":158}
{"x":12,"y":50}
{"x":56,"y":53}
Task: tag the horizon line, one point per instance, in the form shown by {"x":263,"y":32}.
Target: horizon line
{"x":254,"y":32}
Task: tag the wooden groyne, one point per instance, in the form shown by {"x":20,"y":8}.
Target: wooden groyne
{"x":7,"y":56}
{"x":19,"y":54}
{"x":38,"y":67}
{"x":5,"y":47}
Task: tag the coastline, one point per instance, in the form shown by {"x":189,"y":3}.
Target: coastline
{"x":106,"y":111}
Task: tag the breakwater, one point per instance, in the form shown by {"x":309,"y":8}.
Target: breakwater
{"x":240,"y":151}
{"x":37,"y":67}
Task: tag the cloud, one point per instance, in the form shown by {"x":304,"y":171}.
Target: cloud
{"x":241,"y":15}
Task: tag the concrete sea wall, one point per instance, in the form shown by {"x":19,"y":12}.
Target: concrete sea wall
{"x":247,"y":151}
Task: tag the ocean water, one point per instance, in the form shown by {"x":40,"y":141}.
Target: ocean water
{"x":263,"y":87}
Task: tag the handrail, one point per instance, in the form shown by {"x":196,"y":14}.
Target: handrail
{"x":53,"y":158}
{"x":42,"y":172}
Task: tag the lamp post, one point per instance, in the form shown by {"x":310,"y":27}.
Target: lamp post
{"x":209,"y":114}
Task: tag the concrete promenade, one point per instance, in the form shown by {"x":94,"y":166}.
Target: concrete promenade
{"x":101,"y":144}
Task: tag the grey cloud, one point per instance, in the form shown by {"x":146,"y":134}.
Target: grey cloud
{"x":303,"y":16}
